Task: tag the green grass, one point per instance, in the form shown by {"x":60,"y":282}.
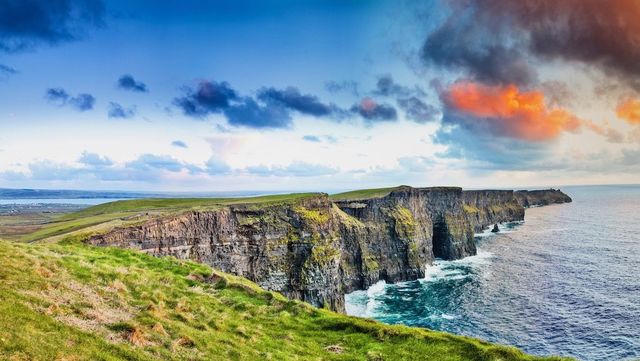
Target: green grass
{"x":70,"y":301}
{"x":128,"y":212}
{"x":363,"y":194}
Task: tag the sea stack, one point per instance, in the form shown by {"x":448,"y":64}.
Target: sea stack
{"x":495,"y":229}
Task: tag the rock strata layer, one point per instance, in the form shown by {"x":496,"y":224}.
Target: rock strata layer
{"x":317,"y":250}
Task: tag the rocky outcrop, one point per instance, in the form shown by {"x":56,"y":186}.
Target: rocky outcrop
{"x":542,"y":197}
{"x":317,"y":250}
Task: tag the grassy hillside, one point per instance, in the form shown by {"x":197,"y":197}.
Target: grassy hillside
{"x":70,"y":301}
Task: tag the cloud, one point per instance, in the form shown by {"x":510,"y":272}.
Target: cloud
{"x":295,"y":169}
{"x":416,"y":163}
{"x":631,"y":157}
{"x":386,"y":86}
{"x":216,"y":166}
{"x":291,"y":98}
{"x":503,"y":127}
{"x":495,"y":41}
{"x":207,"y":98}
{"x":506,"y":111}
{"x":408,"y":99}
{"x":372,"y":111}
{"x":179,"y":144}
{"x":271,"y":108}
{"x":26,"y":23}
{"x":312,"y":138}
{"x":94,"y":160}
{"x":462,"y":43}
{"x":145,"y":168}
{"x":417,"y":110}
{"x":127,"y":82}
{"x":57,"y":95}
{"x":118,"y":111}
{"x":350,"y":87}
{"x":7,"y":70}
{"x":629,"y":110}
{"x":249,"y":113}
{"x":320,"y":138}
{"x":147,"y":162}
{"x":82,"y":102}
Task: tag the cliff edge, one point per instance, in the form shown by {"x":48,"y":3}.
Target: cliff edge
{"x":317,"y":248}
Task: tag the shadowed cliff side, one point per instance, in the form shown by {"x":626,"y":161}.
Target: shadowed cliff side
{"x":317,"y":248}
{"x":542,"y":197}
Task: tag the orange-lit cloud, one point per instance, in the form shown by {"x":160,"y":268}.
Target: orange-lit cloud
{"x":508,"y":111}
{"x":629,"y":110}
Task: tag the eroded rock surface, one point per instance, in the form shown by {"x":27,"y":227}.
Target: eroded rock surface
{"x":317,"y":250}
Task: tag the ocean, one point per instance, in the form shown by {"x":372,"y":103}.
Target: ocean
{"x":566,"y":281}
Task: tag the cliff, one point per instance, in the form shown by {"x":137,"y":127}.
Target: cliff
{"x":317,"y":249}
{"x":542,"y":197}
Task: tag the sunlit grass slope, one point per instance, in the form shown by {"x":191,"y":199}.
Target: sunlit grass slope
{"x":70,"y":301}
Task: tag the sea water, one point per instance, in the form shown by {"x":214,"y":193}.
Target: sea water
{"x":566,"y":281}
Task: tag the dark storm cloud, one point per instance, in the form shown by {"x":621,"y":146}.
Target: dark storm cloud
{"x":26,"y":23}
{"x":291,"y":98}
{"x":128,"y":82}
{"x":494,"y":41}
{"x":82,"y":102}
{"x":373,"y":111}
{"x":466,"y":46}
{"x":118,"y":111}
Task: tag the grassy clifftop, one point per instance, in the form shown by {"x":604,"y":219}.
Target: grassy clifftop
{"x":126,"y":212}
{"x":69,"y":301}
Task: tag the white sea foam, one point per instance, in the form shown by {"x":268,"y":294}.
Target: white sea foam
{"x":363,"y":303}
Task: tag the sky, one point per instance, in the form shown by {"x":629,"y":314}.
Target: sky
{"x":329,"y":95}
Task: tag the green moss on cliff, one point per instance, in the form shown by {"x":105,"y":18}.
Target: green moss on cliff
{"x":404,"y":222}
{"x":313,"y":217}
{"x":470,"y":209}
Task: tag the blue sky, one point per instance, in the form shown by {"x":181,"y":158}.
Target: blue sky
{"x":303,"y":95}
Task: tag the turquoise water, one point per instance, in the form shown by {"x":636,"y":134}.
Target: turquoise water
{"x":565,"y":282}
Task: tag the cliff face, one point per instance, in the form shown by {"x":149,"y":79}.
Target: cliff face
{"x":542,"y":197}
{"x":487,"y":207}
{"x":317,"y":250}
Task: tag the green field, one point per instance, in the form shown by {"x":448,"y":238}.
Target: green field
{"x":363,"y":194}
{"x":70,"y":301}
